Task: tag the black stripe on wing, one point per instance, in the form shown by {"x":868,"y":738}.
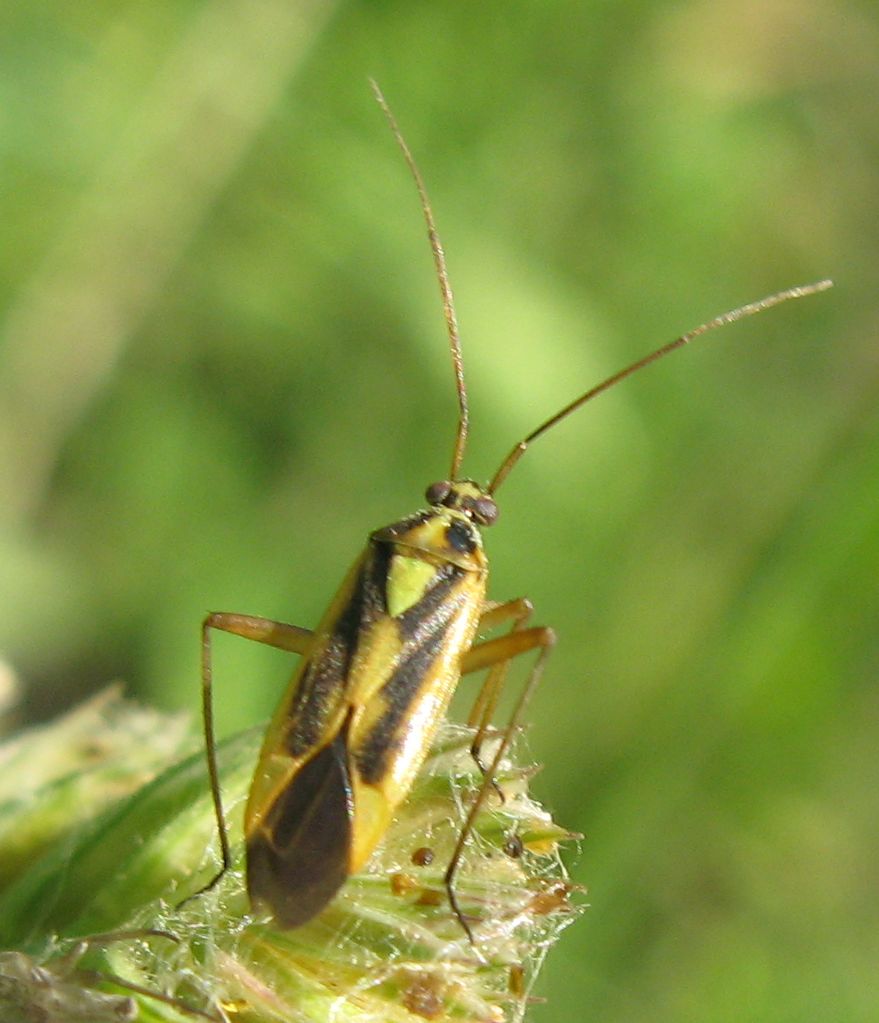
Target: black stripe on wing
{"x":324,"y":678}
{"x":423,"y":628}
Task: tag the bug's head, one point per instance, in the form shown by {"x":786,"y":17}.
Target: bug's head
{"x":449,"y":532}
{"x":466,"y":497}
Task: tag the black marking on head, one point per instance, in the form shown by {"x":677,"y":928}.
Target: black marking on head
{"x":323,"y":679}
{"x":461,"y":537}
{"x":298,"y":858}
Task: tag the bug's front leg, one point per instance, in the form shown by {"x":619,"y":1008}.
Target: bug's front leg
{"x":282,"y":636}
{"x":496,"y":655}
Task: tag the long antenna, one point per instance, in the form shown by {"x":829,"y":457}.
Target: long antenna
{"x":439,"y":260}
{"x":719,"y":321}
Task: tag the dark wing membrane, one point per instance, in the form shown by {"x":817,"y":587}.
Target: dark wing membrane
{"x":297,"y":859}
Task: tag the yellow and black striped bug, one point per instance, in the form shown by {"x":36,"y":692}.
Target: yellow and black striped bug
{"x":377,"y":674}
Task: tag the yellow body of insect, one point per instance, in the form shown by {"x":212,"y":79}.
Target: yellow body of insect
{"x":377,"y":674}
{"x":344,"y":746}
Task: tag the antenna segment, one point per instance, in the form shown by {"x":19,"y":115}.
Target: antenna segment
{"x":719,"y":321}
{"x":439,"y":260}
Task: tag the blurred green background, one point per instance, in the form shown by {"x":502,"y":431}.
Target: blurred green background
{"x":223,"y":361}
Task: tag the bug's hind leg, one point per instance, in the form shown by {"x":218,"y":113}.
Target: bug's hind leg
{"x":280,"y":635}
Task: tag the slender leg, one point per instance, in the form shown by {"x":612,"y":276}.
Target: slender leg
{"x":496,"y":655}
{"x":492,"y":653}
{"x":291,"y":638}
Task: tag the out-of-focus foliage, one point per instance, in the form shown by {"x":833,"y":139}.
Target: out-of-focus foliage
{"x":223,"y":362}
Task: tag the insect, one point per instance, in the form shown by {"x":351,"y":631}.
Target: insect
{"x":376,"y":675}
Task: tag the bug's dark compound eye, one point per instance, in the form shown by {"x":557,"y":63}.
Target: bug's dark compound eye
{"x":461,"y":537}
{"x":485,"y":511}
{"x":436,"y":493}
